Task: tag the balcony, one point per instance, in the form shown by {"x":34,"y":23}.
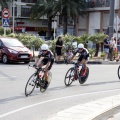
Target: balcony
{"x":98,"y":4}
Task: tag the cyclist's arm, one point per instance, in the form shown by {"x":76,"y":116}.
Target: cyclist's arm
{"x":74,"y":55}
{"x":48,"y":64}
{"x":37,"y":60}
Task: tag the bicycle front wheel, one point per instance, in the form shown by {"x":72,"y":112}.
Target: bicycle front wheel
{"x":119,"y":72}
{"x":68,"y":77}
{"x":31,"y":83}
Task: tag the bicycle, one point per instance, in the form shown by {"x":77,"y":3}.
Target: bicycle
{"x":118,"y":72}
{"x":37,"y":80}
{"x":70,"y":75}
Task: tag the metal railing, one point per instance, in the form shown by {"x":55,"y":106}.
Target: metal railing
{"x":98,"y":3}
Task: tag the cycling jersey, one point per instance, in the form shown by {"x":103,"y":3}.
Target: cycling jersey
{"x":49,"y":55}
{"x":82,"y":55}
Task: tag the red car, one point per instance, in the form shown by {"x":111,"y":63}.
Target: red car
{"x":11,"y":49}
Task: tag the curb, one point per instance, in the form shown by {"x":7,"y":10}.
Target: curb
{"x":95,"y":110}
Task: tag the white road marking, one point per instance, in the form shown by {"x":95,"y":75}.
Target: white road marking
{"x":33,"y":105}
{"x":8,"y":77}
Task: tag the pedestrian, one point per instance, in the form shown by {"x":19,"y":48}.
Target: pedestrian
{"x":106,"y":48}
{"x":112,"y":48}
{"x":58,"y":49}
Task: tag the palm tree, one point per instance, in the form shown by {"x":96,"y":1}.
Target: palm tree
{"x":42,"y":8}
{"x":97,"y":38}
{"x":69,"y":8}
{"x":66,"y":8}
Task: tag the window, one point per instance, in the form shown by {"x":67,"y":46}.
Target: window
{"x":25,"y":11}
{"x":15,"y":11}
{"x":44,"y":22}
{"x":29,"y":1}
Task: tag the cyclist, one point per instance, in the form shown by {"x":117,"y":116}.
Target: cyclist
{"x":83,"y":57}
{"x":48,"y":60}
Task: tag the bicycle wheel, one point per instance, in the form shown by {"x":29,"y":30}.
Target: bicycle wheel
{"x":49,"y":80}
{"x":119,"y":72}
{"x":69,"y":75}
{"x":84,"y":78}
{"x":31,"y":83}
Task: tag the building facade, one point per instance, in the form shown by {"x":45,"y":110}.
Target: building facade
{"x":95,"y":20}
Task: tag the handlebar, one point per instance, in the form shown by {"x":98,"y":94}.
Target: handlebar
{"x":37,"y":68}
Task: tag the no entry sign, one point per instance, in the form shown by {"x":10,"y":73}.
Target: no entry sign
{"x":5,"y":13}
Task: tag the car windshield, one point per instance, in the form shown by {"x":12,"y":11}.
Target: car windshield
{"x":11,"y":42}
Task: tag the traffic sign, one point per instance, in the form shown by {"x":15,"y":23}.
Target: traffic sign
{"x":5,"y":13}
{"x":5,"y":22}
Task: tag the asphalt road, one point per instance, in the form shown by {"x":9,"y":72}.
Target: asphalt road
{"x":102,"y":82}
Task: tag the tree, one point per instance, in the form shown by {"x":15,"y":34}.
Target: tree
{"x":66,"y":8}
{"x":69,"y":8}
{"x":42,"y":8}
{"x":97,"y":38}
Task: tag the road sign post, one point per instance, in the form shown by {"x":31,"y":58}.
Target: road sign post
{"x":5,"y":19}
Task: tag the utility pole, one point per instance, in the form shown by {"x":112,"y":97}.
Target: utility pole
{"x":111,"y":19}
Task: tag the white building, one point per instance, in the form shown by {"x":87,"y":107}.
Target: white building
{"x":95,"y":20}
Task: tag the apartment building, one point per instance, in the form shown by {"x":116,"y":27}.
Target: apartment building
{"x":95,"y":20}
{"x":97,"y":17}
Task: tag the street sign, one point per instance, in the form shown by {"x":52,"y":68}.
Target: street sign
{"x":5,"y":13}
{"x":5,"y":22}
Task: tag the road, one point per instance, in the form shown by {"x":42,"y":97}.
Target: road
{"x":102,"y":82}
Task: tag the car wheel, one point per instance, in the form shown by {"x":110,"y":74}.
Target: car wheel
{"x":5,"y":59}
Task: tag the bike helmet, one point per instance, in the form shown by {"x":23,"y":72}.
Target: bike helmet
{"x":81,"y":46}
{"x":44,"y":47}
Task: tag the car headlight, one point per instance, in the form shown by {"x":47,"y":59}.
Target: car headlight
{"x":12,"y":51}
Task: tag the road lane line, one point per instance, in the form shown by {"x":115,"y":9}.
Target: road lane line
{"x":8,"y":77}
{"x":36,"y":104}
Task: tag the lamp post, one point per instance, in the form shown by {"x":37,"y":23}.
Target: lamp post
{"x":13,"y":15}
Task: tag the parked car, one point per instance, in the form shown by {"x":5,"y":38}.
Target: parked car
{"x":11,"y":49}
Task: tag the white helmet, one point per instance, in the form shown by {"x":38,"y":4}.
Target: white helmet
{"x":44,"y":47}
{"x":81,"y":46}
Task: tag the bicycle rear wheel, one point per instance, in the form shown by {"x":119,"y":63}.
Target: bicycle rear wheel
{"x":31,"y":83}
{"x":49,"y":80}
{"x":68,"y":77}
{"x":119,"y":72}
{"x":84,"y":78}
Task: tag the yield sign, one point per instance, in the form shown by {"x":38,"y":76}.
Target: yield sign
{"x":5,"y":13}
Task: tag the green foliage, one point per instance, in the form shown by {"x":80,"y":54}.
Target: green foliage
{"x":8,"y":31}
{"x":97,"y":38}
{"x":52,"y":44}
{"x":1,"y":30}
{"x":37,"y":43}
{"x":102,"y":54}
{"x":12,"y":35}
{"x":91,"y":52}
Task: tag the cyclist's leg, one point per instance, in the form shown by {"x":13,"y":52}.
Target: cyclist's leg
{"x":46,"y":74}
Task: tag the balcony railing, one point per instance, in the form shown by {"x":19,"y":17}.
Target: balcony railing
{"x":98,"y":3}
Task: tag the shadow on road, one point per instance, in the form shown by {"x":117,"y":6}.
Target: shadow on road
{"x":60,"y":88}
{"x":100,"y":83}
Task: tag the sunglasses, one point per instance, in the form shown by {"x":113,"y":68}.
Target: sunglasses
{"x":44,"y":50}
{"x":80,"y":48}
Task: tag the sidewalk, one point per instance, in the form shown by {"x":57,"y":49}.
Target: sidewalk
{"x":101,"y":109}
{"x":91,"y":61}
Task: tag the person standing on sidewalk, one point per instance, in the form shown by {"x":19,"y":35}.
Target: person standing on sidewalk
{"x":111,"y":48}
{"x":59,"y":45}
{"x":106,"y":47}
